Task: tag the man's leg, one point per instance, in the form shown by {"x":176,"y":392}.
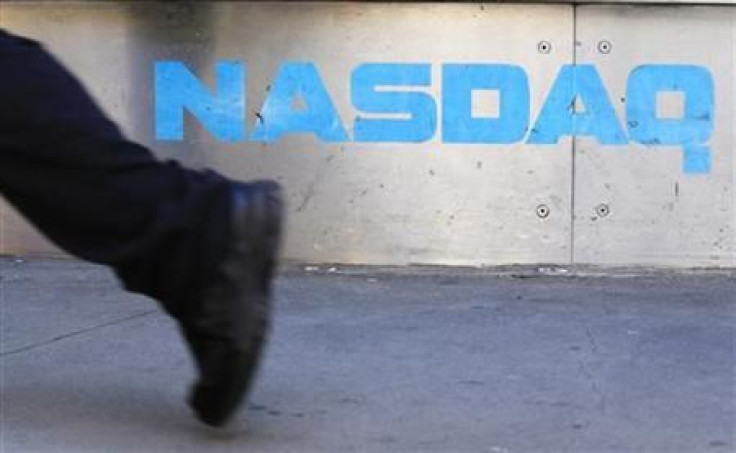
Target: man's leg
{"x":197,"y":242}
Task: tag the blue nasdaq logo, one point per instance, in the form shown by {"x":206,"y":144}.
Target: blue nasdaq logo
{"x":391,"y":108}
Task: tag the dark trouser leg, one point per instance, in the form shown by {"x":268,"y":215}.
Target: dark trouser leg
{"x":69,"y":170}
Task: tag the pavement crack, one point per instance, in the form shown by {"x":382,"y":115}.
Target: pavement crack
{"x":591,"y":340}
{"x":586,"y":370}
{"x":76,"y":333}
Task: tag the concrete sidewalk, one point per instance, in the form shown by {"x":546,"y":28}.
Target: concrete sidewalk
{"x":373,"y":361}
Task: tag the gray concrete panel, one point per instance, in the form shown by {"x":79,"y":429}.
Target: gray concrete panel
{"x":404,"y":203}
{"x":361,"y":203}
{"x":635,"y":204}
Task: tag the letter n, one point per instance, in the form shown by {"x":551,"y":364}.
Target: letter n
{"x":221,"y":113}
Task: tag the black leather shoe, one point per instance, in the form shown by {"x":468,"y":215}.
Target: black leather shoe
{"x":228,"y":330}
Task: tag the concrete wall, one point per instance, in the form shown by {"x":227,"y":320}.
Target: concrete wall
{"x":518,"y":194}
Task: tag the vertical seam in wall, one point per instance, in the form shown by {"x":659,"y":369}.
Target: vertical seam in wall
{"x":574,"y":140}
